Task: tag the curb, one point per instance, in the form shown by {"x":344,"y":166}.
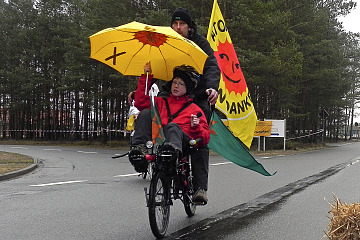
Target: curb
{"x":18,"y":173}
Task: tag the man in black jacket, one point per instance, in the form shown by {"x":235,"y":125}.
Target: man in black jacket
{"x":206,"y":91}
{"x":205,"y":95}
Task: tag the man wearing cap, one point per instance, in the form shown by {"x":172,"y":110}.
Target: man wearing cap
{"x":205,"y":94}
{"x":183,"y":24}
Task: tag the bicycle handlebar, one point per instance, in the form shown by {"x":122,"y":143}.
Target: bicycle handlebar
{"x":193,"y":142}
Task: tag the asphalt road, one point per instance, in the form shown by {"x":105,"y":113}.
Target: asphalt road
{"x":304,"y":215}
{"x":82,"y":193}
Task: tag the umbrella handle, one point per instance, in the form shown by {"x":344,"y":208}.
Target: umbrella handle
{"x":146,"y":83}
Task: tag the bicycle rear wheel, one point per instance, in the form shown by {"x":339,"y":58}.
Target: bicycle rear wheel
{"x":190,"y":207}
{"x":159,"y":204}
{"x":188,"y":189}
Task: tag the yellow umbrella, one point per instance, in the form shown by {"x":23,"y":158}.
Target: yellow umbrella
{"x":129,"y":47}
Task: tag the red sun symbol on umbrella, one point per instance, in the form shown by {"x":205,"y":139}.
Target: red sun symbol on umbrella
{"x":150,"y":38}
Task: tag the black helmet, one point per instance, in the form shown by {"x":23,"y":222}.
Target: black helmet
{"x":189,"y":75}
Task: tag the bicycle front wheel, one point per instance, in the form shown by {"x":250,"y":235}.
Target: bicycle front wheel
{"x":159,"y":204}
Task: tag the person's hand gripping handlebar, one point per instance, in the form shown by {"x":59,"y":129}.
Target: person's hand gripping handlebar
{"x":195,"y":119}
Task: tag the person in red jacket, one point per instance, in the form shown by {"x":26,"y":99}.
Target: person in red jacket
{"x":182,"y":119}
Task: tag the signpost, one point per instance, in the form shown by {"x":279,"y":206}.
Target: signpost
{"x":278,"y":129}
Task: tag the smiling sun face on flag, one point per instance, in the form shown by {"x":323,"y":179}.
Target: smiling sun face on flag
{"x":230,"y":68}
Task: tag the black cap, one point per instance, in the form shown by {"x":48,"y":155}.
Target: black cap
{"x":183,"y":15}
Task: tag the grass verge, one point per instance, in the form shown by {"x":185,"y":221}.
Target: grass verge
{"x":10,"y":162}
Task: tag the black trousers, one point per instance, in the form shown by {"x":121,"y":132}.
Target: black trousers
{"x":174,"y":134}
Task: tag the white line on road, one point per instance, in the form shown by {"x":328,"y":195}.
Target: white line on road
{"x":87,"y":152}
{"x":19,"y":147}
{"x":58,"y":183}
{"x":217,"y":164}
{"x":51,"y":149}
{"x":128,"y":175}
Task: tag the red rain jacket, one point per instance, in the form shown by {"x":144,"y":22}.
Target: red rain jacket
{"x":142,"y":102}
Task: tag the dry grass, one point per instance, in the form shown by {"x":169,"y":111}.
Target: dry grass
{"x":10,"y":162}
{"x":345,"y":221}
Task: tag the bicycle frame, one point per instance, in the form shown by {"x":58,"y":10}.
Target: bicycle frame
{"x":170,"y":181}
{"x":179,"y":173}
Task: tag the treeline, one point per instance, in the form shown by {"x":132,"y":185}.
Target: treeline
{"x":296,"y":57}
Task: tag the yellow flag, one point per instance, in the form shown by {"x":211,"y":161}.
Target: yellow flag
{"x":234,"y":100}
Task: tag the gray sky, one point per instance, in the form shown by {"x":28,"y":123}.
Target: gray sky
{"x":352,"y":21}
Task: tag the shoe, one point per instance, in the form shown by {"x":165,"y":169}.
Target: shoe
{"x":200,"y":197}
{"x":169,"y":149}
{"x":167,"y":156}
{"x":167,"y":152}
{"x":138,"y":160}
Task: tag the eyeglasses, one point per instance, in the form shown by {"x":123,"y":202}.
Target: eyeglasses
{"x":179,"y":83}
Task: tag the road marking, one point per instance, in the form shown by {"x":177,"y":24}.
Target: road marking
{"x":128,"y":175}
{"x":217,"y":164}
{"x":52,"y":149}
{"x":87,"y":152}
{"x":57,"y":183}
{"x":19,"y":147}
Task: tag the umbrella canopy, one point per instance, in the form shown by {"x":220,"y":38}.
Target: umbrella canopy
{"x":129,"y":47}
